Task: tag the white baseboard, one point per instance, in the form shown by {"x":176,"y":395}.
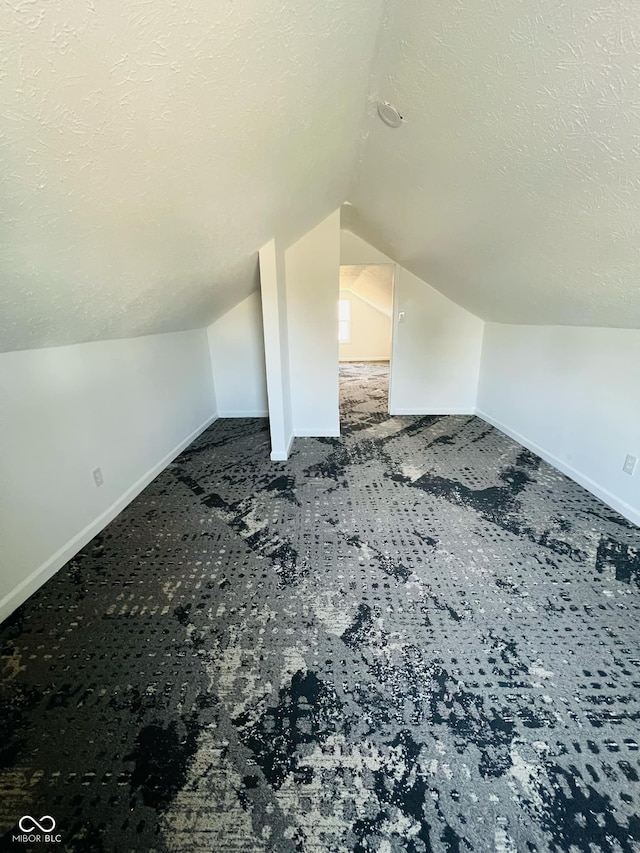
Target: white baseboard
{"x":384,"y":360}
{"x":282,"y":455}
{"x":47,"y":569}
{"x":252,"y":413}
{"x":583,"y":480}
{"x":314,"y":433}
{"x":432,"y":411}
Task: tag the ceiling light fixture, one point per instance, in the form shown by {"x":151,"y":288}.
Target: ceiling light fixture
{"x":389,"y":114}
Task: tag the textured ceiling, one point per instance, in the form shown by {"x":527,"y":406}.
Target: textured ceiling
{"x":514,"y":184}
{"x":148,"y":149}
{"x":371,"y":282}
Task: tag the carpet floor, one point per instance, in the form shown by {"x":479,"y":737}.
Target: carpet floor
{"x":415,"y":637}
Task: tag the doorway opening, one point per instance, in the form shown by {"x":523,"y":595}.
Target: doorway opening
{"x":365,"y":331}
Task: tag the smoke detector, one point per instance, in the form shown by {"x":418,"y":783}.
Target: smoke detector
{"x":389,"y":114}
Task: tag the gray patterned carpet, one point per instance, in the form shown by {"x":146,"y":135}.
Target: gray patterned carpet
{"x":417,"y":637}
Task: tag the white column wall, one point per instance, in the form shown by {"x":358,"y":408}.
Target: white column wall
{"x":312,"y":281}
{"x":276,"y":348}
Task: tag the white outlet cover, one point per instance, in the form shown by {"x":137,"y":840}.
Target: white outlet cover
{"x":97,"y":477}
{"x":630,"y":464}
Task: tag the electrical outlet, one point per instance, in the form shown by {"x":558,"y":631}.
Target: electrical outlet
{"x":401,"y":317}
{"x":97,"y":477}
{"x":630,"y":464}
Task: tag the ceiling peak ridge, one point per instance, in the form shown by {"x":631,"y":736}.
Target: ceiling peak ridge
{"x":387,"y":16}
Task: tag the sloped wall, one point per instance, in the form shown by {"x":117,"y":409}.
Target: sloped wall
{"x":372,"y":282}
{"x":437,"y":345}
{"x":148,"y":149}
{"x":436,"y":352}
{"x":125,"y":406}
{"x":513,"y":186}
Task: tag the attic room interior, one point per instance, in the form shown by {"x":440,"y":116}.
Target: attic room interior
{"x":263,"y":590}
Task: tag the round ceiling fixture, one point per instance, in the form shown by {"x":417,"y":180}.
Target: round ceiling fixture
{"x":389,"y":114}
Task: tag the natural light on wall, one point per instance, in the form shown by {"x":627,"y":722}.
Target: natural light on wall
{"x":344,"y":321}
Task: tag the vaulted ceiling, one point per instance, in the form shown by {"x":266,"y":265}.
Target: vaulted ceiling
{"x":514,"y":185}
{"x":148,"y":149}
{"x":373,"y":283}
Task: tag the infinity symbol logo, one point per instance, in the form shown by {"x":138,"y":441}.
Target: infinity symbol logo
{"x":45,"y":824}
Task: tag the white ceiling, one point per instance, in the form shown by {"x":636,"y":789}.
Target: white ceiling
{"x":514,"y":184}
{"x":371,"y":282}
{"x":148,"y":149}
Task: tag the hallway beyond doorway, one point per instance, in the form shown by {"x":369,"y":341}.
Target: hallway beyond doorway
{"x":364,"y":394}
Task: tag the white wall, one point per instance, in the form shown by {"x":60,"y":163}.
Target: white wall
{"x":312,"y":279}
{"x":572,"y":395}
{"x":354,"y":251}
{"x":236,"y":344}
{"x":436,"y":354}
{"x":370,"y":331}
{"x":126,"y":406}
{"x":436,"y":351}
{"x":273,"y":296}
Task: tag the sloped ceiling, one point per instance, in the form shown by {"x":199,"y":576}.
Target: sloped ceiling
{"x":514,"y":184}
{"x":148,"y":149}
{"x":371,"y":282}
